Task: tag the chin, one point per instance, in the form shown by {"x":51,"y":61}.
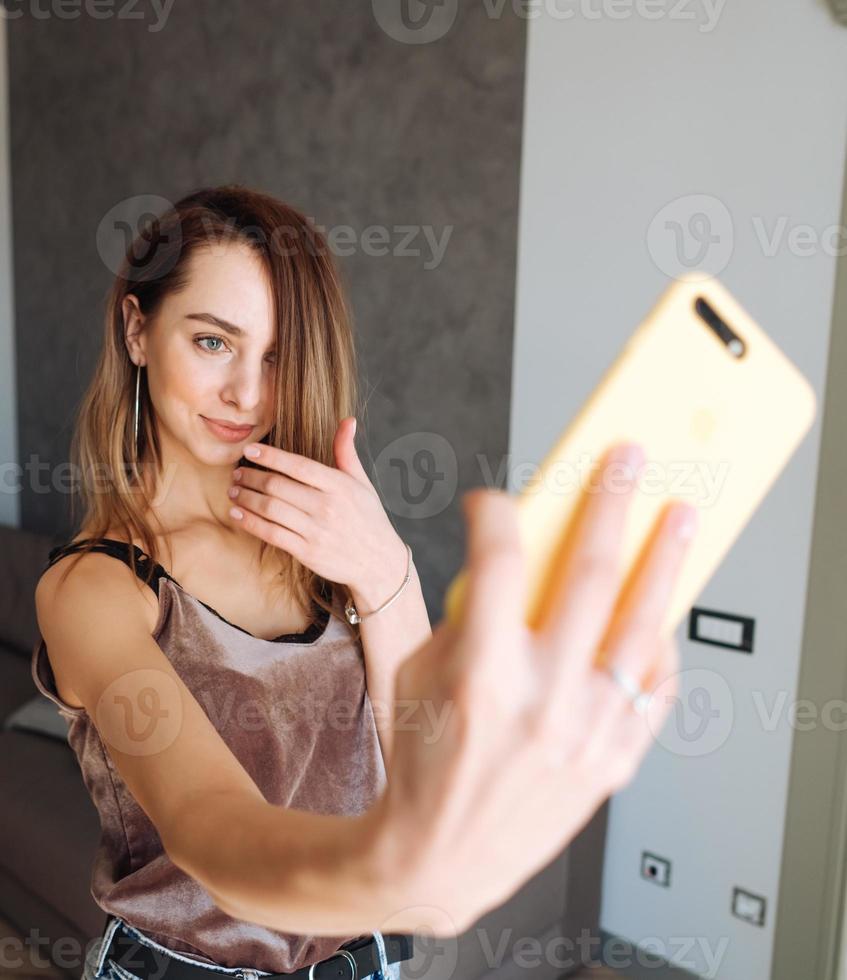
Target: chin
{"x":216,"y":452}
{"x":218,"y":457}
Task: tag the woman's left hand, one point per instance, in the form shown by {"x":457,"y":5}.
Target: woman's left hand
{"x":330,"y":519}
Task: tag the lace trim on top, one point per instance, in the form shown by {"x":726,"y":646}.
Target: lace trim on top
{"x":120,"y":550}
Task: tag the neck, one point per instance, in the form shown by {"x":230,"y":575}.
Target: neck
{"x":187,"y":493}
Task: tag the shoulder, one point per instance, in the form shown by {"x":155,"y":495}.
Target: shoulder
{"x":74,"y":580}
{"x":85,"y":605}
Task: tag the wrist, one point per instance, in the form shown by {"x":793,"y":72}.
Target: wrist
{"x":385,"y":579}
{"x":383,"y":858}
{"x":404,"y":868}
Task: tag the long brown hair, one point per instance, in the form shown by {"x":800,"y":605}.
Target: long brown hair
{"x":315,"y":376}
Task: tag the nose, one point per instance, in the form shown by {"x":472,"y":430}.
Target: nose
{"x":245,"y":387}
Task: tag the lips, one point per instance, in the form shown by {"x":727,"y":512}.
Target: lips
{"x":229,"y":425}
{"x":227,"y":431}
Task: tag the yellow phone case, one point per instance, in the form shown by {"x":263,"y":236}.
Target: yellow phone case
{"x":717,"y":430}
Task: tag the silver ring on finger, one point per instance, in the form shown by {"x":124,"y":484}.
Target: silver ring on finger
{"x":627,"y":683}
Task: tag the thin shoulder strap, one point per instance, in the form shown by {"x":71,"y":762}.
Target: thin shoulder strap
{"x":117,"y":549}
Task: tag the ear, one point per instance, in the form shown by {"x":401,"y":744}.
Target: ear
{"x":135,"y":336}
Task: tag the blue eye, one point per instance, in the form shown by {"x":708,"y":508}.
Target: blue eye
{"x":198,"y":341}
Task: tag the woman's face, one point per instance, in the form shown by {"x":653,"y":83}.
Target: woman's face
{"x":210,"y":356}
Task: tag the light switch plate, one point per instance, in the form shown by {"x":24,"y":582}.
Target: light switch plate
{"x":721,"y":629}
{"x":749,"y":907}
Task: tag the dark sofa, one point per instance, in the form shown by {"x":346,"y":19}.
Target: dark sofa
{"x":48,"y":825}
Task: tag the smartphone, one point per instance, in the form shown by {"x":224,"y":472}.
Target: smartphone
{"x":719,"y":410}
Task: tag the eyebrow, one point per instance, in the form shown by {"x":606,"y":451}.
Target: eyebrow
{"x":216,"y":321}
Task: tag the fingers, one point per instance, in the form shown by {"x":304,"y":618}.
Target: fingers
{"x":272,"y":509}
{"x":302,"y":468}
{"x":662,"y":684}
{"x":634,"y":734}
{"x":495,"y":597}
{"x":278,"y":486}
{"x":580,"y":600}
{"x":633,"y":636}
{"x":618,"y":734}
{"x":634,"y":645}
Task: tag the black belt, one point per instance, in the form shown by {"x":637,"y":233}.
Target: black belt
{"x":354,"y":960}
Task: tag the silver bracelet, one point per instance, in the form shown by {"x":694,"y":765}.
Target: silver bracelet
{"x":350,"y":609}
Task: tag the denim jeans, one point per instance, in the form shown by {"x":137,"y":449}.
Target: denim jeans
{"x":98,"y":967}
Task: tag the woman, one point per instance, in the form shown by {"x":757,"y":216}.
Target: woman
{"x":231,"y":691}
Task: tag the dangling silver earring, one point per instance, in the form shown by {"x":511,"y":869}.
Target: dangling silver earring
{"x":137,"y":388}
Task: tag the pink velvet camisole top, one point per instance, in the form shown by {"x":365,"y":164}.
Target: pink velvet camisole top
{"x":328,"y":767}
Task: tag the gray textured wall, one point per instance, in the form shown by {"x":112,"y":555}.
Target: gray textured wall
{"x":314,"y":102}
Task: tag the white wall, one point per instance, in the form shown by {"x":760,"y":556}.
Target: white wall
{"x":9,"y":500}
{"x":624,"y":114}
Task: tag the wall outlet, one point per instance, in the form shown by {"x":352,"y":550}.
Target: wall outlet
{"x":656,"y":869}
{"x":749,"y":907}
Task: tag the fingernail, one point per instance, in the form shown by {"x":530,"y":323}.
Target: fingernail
{"x":630,"y":454}
{"x":471,"y":502}
{"x":233,"y":492}
{"x":236,"y":513}
{"x":685,"y":521}
{"x":236,"y":474}
{"x":252,"y":451}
